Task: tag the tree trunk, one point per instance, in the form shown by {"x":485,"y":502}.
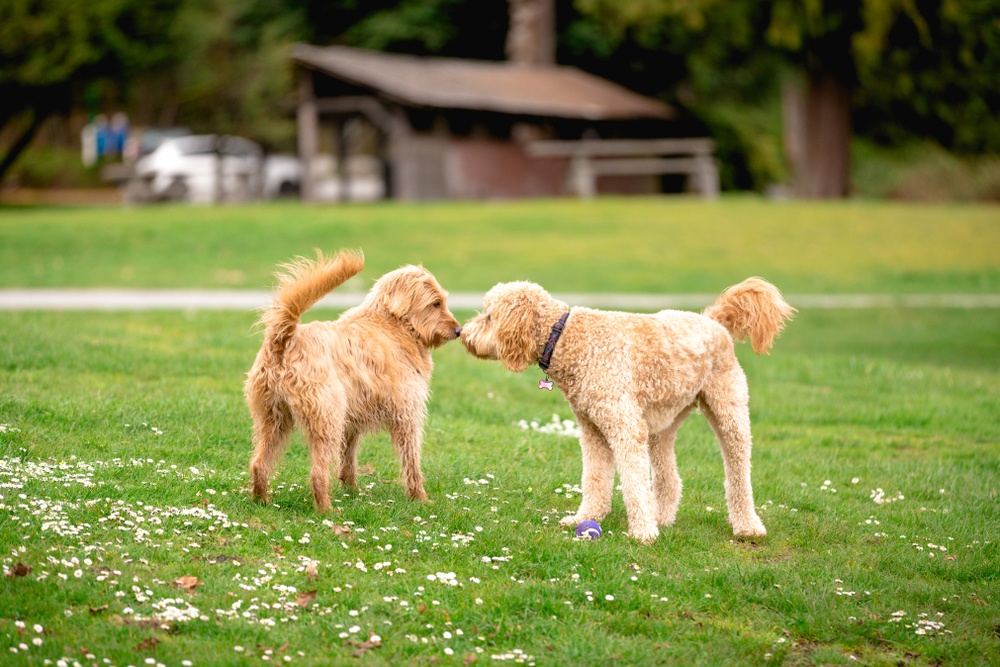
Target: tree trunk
{"x":817,"y":135}
{"x":38,"y":117}
{"x":531,"y":35}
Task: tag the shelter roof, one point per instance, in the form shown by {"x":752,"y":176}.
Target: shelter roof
{"x":554,"y":91}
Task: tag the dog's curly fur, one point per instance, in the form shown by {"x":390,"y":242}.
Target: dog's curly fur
{"x":368,"y":370}
{"x":632,"y":379}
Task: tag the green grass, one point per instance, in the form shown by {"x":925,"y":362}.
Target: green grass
{"x":632,"y":245}
{"x":124,"y":442}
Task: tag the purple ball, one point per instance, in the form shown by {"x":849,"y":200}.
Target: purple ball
{"x":589,"y":530}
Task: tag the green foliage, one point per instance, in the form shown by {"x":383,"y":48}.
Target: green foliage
{"x":52,"y":41}
{"x":918,"y":67}
{"x":924,"y":172}
{"x":53,"y":167}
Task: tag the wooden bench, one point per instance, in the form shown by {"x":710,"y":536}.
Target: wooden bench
{"x":590,"y":158}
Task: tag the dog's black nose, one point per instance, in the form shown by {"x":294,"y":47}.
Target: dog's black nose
{"x":458,"y":331}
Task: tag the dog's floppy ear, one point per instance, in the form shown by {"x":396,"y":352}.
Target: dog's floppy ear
{"x":396,"y":292}
{"x":399,"y":299}
{"x":514,"y":330}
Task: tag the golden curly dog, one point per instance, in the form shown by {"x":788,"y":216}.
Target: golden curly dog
{"x":368,"y":370}
{"x":631,"y":380}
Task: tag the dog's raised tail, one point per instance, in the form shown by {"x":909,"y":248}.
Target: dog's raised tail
{"x":301,"y":283}
{"x":753,"y":308}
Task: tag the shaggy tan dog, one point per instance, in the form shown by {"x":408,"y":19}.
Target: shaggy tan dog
{"x":631,"y":380}
{"x":368,"y":370}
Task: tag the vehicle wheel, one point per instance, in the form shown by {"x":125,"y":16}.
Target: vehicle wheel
{"x":288,"y":189}
{"x":177,"y":190}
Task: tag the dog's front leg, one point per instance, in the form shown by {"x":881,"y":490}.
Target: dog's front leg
{"x":598,"y":476}
{"x":629,"y":440}
{"x":407,"y":440}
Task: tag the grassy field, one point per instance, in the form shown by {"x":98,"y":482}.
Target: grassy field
{"x":631,"y":245}
{"x":124,"y":442}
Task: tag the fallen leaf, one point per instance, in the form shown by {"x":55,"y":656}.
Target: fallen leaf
{"x":421,"y":609}
{"x":363,"y":647}
{"x":305,"y":597}
{"x":312,"y":569}
{"x":366,"y":469}
{"x":469,"y":659}
{"x":98,"y":610}
{"x":19,"y":570}
{"x":341,"y":531}
{"x":147,"y":644}
{"x":187,"y":583}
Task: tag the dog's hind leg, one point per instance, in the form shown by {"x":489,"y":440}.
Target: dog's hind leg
{"x":272,"y":422}
{"x":598,"y":476}
{"x":321,"y":412}
{"x":666,"y":481}
{"x":407,"y":439}
{"x":724,"y":400}
{"x":349,"y":460}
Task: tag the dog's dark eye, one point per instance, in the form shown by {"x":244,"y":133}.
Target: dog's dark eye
{"x":437,"y":304}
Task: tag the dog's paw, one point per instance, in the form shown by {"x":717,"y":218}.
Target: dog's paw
{"x":645,"y":536}
{"x":571,"y":520}
{"x":418,"y":495}
{"x":751,"y":529}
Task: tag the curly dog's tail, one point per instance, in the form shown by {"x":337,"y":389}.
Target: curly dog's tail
{"x":752,"y":308}
{"x":301,"y":283}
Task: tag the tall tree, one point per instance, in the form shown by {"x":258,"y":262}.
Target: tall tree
{"x":925,"y":65}
{"x":50,"y":49}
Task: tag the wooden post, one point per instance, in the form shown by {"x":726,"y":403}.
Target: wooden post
{"x":582,"y":177}
{"x":403,"y":185}
{"x":343,"y":178}
{"x":308,"y":131}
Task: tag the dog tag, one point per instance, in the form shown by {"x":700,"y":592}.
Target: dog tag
{"x":545,"y":384}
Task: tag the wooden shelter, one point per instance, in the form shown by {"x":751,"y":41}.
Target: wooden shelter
{"x":449,"y":128}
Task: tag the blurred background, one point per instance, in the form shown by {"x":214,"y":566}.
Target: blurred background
{"x":350,"y":100}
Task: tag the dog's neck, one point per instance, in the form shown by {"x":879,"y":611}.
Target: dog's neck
{"x":550,"y":345}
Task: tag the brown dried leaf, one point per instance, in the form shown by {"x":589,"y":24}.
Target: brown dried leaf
{"x":19,"y":570}
{"x":367,"y":469}
{"x":364,"y":647}
{"x":469,"y":659}
{"x":341,"y":531}
{"x":312,"y":570}
{"x":305,"y":598}
{"x":187,"y":583}
{"x":147,"y":644}
{"x":98,"y":610}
